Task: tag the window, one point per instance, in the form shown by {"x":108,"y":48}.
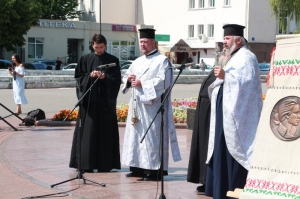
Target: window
{"x":211,"y":30}
{"x":191,"y":30}
{"x":81,"y":4}
{"x":211,"y":3}
{"x":201,"y":29}
{"x":35,"y":48}
{"x":227,"y":2}
{"x":201,"y":3}
{"x":192,"y":3}
{"x":283,"y":22}
{"x":124,"y":50}
{"x":92,"y":6}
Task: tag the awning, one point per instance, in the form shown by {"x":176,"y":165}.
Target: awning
{"x":192,"y":45}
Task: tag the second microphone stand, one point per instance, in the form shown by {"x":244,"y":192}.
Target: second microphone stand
{"x":80,"y":171}
{"x":162,"y":110}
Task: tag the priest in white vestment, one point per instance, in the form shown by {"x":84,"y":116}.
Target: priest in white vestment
{"x":149,"y":77}
{"x":236,"y":103}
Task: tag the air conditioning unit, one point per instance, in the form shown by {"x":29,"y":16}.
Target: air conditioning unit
{"x":202,"y":38}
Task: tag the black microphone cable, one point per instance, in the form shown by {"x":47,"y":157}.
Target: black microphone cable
{"x":54,"y":195}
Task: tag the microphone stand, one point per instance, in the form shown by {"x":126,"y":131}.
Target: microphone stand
{"x":162,"y":110}
{"x":12,"y":113}
{"x":80,"y":172}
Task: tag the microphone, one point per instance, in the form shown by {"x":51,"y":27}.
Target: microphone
{"x":183,"y":66}
{"x":105,"y":66}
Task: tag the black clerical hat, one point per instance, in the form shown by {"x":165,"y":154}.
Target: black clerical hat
{"x":147,"y":33}
{"x":233,"y":30}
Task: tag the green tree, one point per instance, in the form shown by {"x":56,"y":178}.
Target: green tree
{"x":60,"y":9}
{"x":16,"y":18}
{"x":283,"y":9}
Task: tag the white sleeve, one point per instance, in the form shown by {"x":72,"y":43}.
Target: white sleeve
{"x":155,"y":87}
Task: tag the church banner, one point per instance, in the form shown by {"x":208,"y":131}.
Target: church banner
{"x":275,"y":163}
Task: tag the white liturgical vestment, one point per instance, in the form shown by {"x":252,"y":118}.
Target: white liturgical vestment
{"x":156,"y":77}
{"x":242,"y":104}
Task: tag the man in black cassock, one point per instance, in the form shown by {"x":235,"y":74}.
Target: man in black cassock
{"x":199,"y":144}
{"x":97,"y":111}
{"x":197,"y":166}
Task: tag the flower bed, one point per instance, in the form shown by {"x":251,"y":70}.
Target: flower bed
{"x":180,"y":108}
{"x":122,"y":112}
{"x":179,"y":111}
{"x":63,"y":113}
{"x":179,"y":114}
{"x":187,"y":102}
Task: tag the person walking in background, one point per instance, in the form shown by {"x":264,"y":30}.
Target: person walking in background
{"x":234,"y":116}
{"x":17,"y":71}
{"x":202,"y":65}
{"x":58,"y":64}
{"x":198,"y":153}
{"x":149,"y":77}
{"x":97,"y":125}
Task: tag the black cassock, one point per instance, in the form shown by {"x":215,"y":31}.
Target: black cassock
{"x":197,"y":166}
{"x":97,"y":112}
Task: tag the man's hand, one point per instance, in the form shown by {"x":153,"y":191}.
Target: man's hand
{"x":131,"y":77}
{"x":97,"y":74}
{"x":219,"y":72}
{"x":136,"y":83}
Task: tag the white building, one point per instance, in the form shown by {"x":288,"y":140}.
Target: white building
{"x":185,"y":21}
{"x":69,"y":40}
{"x":184,"y":29}
{"x":188,"y":20}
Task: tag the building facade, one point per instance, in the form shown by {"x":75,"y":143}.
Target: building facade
{"x":69,"y":40}
{"x":199,"y":24}
{"x":185,"y":29}
{"x":194,"y":27}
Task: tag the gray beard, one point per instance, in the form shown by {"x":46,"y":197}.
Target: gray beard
{"x":231,"y":49}
{"x":223,"y":60}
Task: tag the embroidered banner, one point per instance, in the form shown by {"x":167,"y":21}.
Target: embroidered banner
{"x":275,"y":163}
{"x":271,"y":188}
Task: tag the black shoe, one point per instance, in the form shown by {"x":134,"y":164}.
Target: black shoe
{"x":103,"y":170}
{"x":152,"y":178}
{"x":88,"y":171}
{"x":201,"y":189}
{"x":134,"y":174}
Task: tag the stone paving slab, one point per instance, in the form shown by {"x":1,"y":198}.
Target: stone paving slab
{"x":34,"y":158}
{"x":13,"y":184}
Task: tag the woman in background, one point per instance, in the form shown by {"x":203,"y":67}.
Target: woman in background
{"x":18,"y":73}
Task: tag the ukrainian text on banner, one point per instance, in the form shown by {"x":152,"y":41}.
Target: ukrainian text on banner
{"x":275,"y":164}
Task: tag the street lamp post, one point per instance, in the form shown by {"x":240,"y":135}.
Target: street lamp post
{"x":100,"y":15}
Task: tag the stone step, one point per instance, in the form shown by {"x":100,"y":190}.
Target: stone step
{"x":48,"y":122}
{"x":65,"y":79}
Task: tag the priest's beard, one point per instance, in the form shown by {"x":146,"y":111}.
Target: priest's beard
{"x":231,"y":49}
{"x":222,"y":61}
